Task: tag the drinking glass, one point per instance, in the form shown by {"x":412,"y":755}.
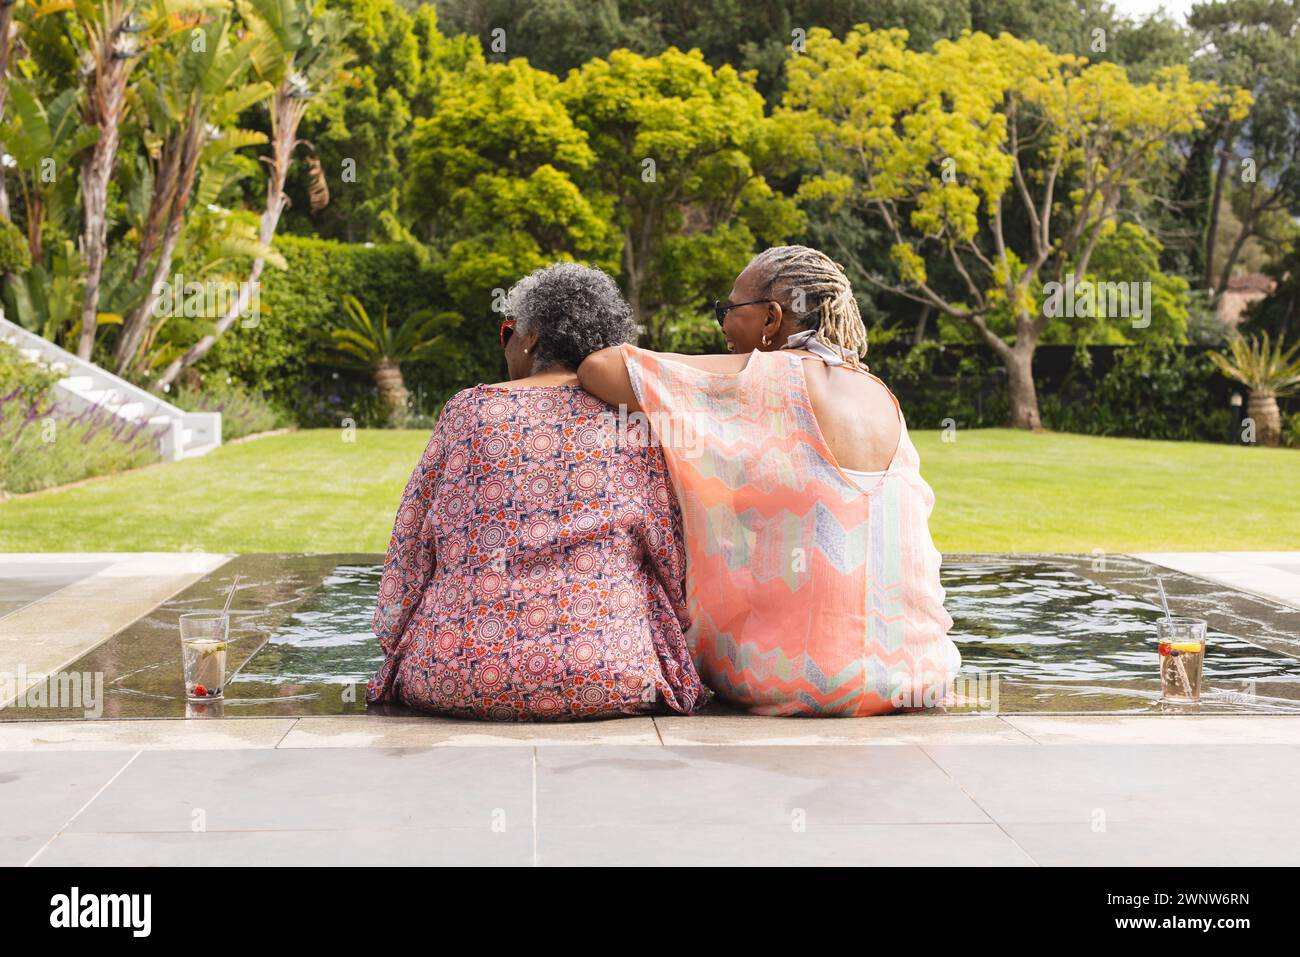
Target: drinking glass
{"x":1182,"y":658}
{"x":203,"y":653}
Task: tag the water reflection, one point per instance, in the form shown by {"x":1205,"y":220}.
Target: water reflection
{"x":1039,"y":623}
{"x":1023,"y":621}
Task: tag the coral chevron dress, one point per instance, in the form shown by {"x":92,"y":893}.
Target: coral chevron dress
{"x":535,"y":569}
{"x":807,"y":594}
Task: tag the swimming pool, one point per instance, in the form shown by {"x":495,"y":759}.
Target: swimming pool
{"x":1060,"y":633}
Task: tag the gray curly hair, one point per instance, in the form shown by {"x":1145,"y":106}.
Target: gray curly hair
{"x":576,"y":310}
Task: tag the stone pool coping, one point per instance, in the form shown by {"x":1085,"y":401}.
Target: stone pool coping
{"x":370,"y":731}
{"x":1273,"y":575}
{"x":48,"y":634}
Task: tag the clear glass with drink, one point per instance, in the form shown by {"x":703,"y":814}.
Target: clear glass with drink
{"x":203,"y":653}
{"x":1182,"y":658}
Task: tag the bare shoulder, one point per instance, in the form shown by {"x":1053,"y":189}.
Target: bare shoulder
{"x":857,"y":414}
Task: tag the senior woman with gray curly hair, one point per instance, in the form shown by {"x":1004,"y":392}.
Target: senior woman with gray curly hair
{"x":536,"y":566}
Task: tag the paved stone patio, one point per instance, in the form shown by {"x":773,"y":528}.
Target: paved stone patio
{"x":908,"y":789}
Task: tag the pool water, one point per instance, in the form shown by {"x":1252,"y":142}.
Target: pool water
{"x":1031,"y":622}
{"x":1060,"y":633}
{"x":1041,"y":623}
{"x":329,"y":640}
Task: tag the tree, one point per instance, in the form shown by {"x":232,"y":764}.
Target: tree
{"x":360,"y":131}
{"x":678,"y":146}
{"x":116,"y":34}
{"x":997,"y":157}
{"x":7,"y":10}
{"x":43,"y":140}
{"x":554,"y":35}
{"x":201,"y":91}
{"x":1279,"y":312}
{"x":1254,"y":44}
{"x":301,"y":55}
{"x":493,"y":181}
{"x":1125,"y":250}
{"x":380,"y":349}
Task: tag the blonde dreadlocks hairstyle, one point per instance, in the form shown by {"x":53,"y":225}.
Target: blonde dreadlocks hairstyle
{"x":800,"y":275}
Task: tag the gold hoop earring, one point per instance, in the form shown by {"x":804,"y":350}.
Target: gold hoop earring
{"x":765,"y":340}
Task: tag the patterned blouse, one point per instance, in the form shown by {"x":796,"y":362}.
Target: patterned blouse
{"x":536,"y":566}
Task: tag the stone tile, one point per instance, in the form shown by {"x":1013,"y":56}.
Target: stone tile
{"x":149,"y":735}
{"x":40,"y":792}
{"x":17,"y":850}
{"x":344,"y":848}
{"x":1271,"y":574}
{"x":892,"y":729}
{"x":372,"y":731}
{"x":865,"y":845}
{"x":23,"y":581}
{"x":746,"y":786}
{"x":1157,"y":729}
{"x":316,"y":789}
{"x":1083,"y":783}
{"x":1226,"y":840}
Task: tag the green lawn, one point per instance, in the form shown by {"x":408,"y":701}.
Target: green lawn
{"x":996,"y":490}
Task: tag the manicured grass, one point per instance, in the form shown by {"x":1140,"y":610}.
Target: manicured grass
{"x":299,"y":492}
{"x":1009,"y":491}
{"x":996,"y":490}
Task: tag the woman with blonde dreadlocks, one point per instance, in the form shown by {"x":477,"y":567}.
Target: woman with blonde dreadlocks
{"x":812,"y":580}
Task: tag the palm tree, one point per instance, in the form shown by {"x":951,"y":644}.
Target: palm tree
{"x":380,"y":349}
{"x":1269,"y":372}
{"x":302,"y":55}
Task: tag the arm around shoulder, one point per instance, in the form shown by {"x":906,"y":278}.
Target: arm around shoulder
{"x":604,"y":374}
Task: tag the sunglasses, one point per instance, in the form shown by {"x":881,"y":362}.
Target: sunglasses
{"x":723,"y":306}
{"x":507,"y":330}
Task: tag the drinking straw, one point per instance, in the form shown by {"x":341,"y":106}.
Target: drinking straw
{"x":1178,"y":659}
{"x":225,"y":610}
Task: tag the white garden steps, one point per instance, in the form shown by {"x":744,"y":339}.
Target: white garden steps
{"x":182,"y":434}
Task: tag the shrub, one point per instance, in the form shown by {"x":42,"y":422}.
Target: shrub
{"x":14,"y":254}
{"x":1150,"y":393}
{"x":934,"y":382}
{"x":242,"y":412}
{"x":287,"y":355}
{"x":42,"y":445}
{"x":20,"y":379}
{"x":1291,"y":430}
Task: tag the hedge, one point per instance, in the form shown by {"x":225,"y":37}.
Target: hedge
{"x":287,"y":354}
